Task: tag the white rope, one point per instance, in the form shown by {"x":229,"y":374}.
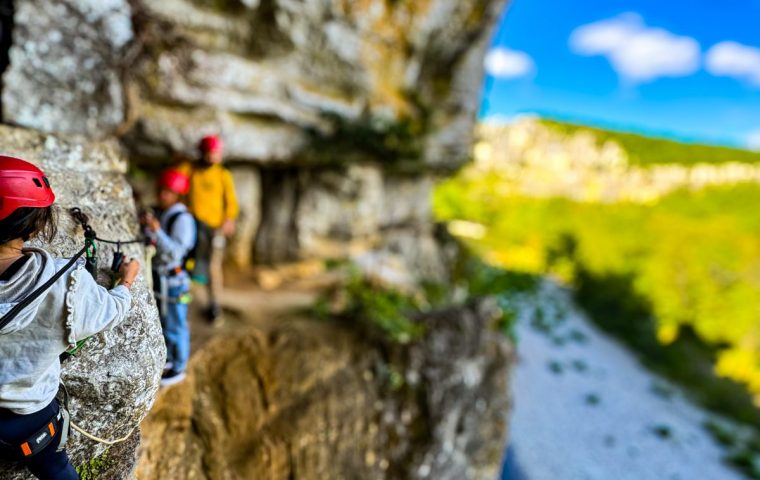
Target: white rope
{"x":101,"y":440}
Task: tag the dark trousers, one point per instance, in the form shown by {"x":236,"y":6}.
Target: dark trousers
{"x":46,"y":465}
{"x":209,"y":257}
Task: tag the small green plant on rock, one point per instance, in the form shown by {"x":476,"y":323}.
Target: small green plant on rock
{"x":392,"y":142}
{"x":96,"y":467}
{"x":394,"y":311}
{"x":387,"y":309}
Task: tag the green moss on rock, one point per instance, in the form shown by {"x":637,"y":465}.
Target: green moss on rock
{"x":96,"y":467}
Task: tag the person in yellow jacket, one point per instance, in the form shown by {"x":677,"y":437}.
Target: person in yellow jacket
{"x":213,"y":202}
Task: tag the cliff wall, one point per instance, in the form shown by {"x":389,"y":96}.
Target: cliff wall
{"x":338,"y":116}
{"x":299,"y":399}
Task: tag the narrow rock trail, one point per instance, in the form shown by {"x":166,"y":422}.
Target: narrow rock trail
{"x":585,"y":409}
{"x":247,"y":305}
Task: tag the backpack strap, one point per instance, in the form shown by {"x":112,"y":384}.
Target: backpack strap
{"x":13,"y":312}
{"x":173,"y":219}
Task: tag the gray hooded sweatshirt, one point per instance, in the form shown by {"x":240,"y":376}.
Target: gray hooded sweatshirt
{"x":74,"y":308}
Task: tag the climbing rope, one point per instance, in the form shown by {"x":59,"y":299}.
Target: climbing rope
{"x":95,"y":438}
{"x":84,"y":432}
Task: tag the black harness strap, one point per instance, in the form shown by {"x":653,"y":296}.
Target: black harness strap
{"x":13,"y":312}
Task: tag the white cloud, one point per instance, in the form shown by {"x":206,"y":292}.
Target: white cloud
{"x":753,"y":140}
{"x":506,"y":63}
{"x":733,"y":59}
{"x":637,"y":52}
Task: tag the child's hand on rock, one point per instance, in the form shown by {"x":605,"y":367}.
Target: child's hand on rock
{"x":129,"y":270}
{"x":151,"y":222}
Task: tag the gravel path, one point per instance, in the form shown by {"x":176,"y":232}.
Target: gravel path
{"x":586,"y":409}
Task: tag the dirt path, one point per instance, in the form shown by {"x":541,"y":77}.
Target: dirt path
{"x":247,"y":305}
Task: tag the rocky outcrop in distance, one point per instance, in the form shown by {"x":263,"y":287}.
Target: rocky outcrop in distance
{"x":538,"y":161}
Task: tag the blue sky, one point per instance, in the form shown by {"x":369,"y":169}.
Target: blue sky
{"x":684,"y":69}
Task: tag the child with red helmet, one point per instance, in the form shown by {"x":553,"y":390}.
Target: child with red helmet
{"x":173,"y":232}
{"x":73,"y":307}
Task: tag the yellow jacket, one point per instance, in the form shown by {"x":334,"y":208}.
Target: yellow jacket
{"x":212,"y":197}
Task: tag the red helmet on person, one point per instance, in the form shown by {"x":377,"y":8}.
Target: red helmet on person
{"x":175,"y":181}
{"x":211,"y":144}
{"x":22,"y":185}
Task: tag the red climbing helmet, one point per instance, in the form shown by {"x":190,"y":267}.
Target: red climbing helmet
{"x":211,"y":144}
{"x":175,"y":181}
{"x":22,"y":185}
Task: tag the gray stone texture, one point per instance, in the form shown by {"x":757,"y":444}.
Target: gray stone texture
{"x":66,"y":66}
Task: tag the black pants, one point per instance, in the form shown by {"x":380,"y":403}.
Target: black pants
{"x":204,"y":245}
{"x":46,"y":465}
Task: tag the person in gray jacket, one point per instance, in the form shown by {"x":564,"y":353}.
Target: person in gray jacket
{"x":174,"y":234}
{"x":73,"y":308}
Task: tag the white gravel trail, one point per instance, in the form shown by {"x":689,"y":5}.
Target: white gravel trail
{"x":585,"y":409}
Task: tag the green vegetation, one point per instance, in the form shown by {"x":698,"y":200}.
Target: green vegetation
{"x":381,"y":308}
{"x":678,"y":280}
{"x":743,"y":446}
{"x":393,"y":313}
{"x":650,"y":151}
{"x":96,"y":467}
{"x":394,"y":143}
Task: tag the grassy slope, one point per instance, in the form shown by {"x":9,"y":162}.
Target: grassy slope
{"x":652,"y":151}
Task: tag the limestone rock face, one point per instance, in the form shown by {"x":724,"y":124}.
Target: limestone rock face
{"x":332,"y":213}
{"x":248,"y":188}
{"x":66,"y":65}
{"x":538,"y":160}
{"x":305,"y":399}
{"x":114,"y":379}
{"x":322,"y":92}
{"x":269,"y":74}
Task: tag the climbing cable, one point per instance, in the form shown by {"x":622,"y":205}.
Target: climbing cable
{"x":84,"y":221}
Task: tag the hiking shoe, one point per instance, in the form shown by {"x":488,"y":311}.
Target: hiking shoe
{"x":213,"y":312}
{"x":172,"y":377}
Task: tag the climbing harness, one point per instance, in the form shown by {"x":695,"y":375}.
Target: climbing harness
{"x":161,"y":290}
{"x":42,"y":438}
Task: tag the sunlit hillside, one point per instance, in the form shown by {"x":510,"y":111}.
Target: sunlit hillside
{"x":649,"y":151}
{"x":646,"y":230}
